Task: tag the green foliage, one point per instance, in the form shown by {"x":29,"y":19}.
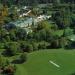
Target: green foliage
{"x":23,"y":57}
{"x":35,"y":46}
{"x":26,"y":47}
{"x":68,"y":32}
{"x":9,"y":70}
{"x":7,"y":20}
{"x":55,"y":44}
{"x":43,"y":45}
{"x":12,"y":35}
{"x":43,"y":25}
{"x":21,"y":34}
{"x":62,"y":17}
{"x":1,"y":45}
{"x":1,"y":61}
{"x":12,"y":49}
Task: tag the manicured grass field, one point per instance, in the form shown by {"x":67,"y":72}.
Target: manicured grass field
{"x":38,"y":63}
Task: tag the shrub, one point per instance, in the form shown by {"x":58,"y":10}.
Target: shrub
{"x":35,"y":46}
{"x":11,"y":49}
{"x":23,"y":57}
{"x":43,"y":45}
{"x":26,"y":47}
{"x":5,"y":67}
{"x":9,"y":70}
{"x":1,"y":45}
{"x":55,"y":44}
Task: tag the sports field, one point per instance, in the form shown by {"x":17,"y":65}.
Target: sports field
{"x":39,"y":63}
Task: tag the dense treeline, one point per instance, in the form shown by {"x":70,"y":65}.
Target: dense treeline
{"x":24,"y":2}
{"x":31,"y":2}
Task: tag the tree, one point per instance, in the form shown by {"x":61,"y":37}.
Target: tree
{"x":1,"y":61}
{"x":35,"y":46}
{"x":36,"y":36}
{"x":9,"y":70}
{"x":42,"y":45}
{"x":23,"y":57}
{"x":3,"y":34}
{"x":12,"y":34}
{"x":43,"y":25}
{"x":14,"y":14}
{"x":68,"y":32}
{"x":30,"y":35}
{"x":21,"y":34}
{"x":55,"y":44}
{"x":3,"y":14}
{"x":5,"y":10}
{"x":12,"y":49}
{"x":63,"y":42}
{"x":26,"y":47}
{"x":43,"y":34}
{"x":3,"y":64}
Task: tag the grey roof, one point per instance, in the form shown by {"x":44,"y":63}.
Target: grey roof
{"x":24,"y":22}
{"x":28,"y":21}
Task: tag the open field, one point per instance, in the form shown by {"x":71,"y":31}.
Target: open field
{"x":38,"y":63}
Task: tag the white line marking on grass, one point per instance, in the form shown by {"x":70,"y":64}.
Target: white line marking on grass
{"x":54,"y":64}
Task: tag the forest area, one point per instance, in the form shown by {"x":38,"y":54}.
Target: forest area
{"x":32,"y":2}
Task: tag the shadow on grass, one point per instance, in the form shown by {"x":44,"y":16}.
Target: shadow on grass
{"x":73,"y":73}
{"x":69,"y":47}
{"x":17,"y":61}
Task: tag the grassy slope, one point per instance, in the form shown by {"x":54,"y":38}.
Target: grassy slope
{"x":38,"y":63}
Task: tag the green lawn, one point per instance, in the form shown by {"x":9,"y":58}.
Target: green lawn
{"x":38,"y":63}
